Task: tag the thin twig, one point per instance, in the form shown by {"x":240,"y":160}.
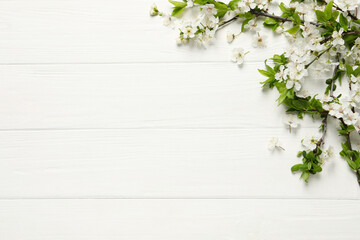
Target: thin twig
{"x":264,"y":14}
{"x":317,"y":57}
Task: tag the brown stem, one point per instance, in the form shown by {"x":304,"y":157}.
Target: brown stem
{"x":348,"y":140}
{"x":321,"y":140}
{"x":264,"y":14}
{"x":222,"y":24}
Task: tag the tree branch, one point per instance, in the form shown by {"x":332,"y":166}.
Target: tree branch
{"x":263,"y":14}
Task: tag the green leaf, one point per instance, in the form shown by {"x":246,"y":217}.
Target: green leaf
{"x":178,"y":4}
{"x":270,"y":21}
{"x":296,"y":167}
{"x":293,"y":30}
{"x":222,"y":9}
{"x":344,"y":23}
{"x":349,"y":39}
{"x":320,"y":16}
{"x":316,"y":168}
{"x":335,"y":14}
{"x":178,"y":7}
{"x":177,"y":11}
{"x":296,"y":18}
{"x":305,"y":176}
{"x":200,"y":2}
{"x":328,"y":10}
{"x":233,"y":4}
{"x":265,"y":73}
{"x":356,"y":72}
{"x":349,"y":69}
{"x":351,"y":163}
{"x":287,"y":12}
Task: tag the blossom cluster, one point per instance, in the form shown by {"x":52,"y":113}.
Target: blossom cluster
{"x":324,"y":39}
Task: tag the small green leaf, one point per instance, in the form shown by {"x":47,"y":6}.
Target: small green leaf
{"x":305,"y":176}
{"x":178,"y":4}
{"x":233,"y":4}
{"x":316,"y":168}
{"x":296,"y":18}
{"x":178,"y":7}
{"x":328,"y":10}
{"x":320,"y":16}
{"x":351,"y":163}
{"x":335,"y":14}
{"x":356,"y":72}
{"x":349,"y":69}
{"x":296,"y":167}
{"x":200,"y":2}
{"x":344,"y":23}
{"x":293,"y":30}
{"x":222,"y":9}
{"x":177,"y":11}
{"x":270,"y":21}
{"x":265,"y":73}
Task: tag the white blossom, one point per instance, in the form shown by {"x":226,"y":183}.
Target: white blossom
{"x":310,"y":143}
{"x":274,"y":143}
{"x":190,"y":3}
{"x":291,"y":120}
{"x":350,"y":117}
{"x":188,"y":31}
{"x":238,"y":55}
{"x":259,"y":41}
{"x":281,"y":74}
{"x":166,"y":20}
{"x":337,"y":37}
{"x":328,"y":153}
{"x":348,"y":5}
{"x":293,"y":83}
{"x":230,"y":37}
{"x":252,"y":26}
{"x":153,"y":10}
{"x":209,"y":9}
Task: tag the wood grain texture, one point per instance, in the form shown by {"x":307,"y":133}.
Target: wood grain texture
{"x":108,"y":130}
{"x":178,"y":95}
{"x":163,"y":163}
{"x":179,"y":219}
{"x":95,"y":31}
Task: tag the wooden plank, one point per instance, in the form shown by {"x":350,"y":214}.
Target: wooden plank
{"x":179,"y":219}
{"x":98,"y":31}
{"x":187,"y":163}
{"x":181,"y":95}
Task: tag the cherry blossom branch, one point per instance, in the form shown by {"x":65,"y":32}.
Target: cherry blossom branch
{"x":321,"y":140}
{"x":324,"y":121}
{"x":356,"y":32}
{"x":265,"y":14}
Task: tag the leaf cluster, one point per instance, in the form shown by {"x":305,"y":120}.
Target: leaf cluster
{"x":311,"y":163}
{"x":179,"y":7}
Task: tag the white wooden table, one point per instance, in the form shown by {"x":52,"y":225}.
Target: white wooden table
{"x":111,"y":131}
